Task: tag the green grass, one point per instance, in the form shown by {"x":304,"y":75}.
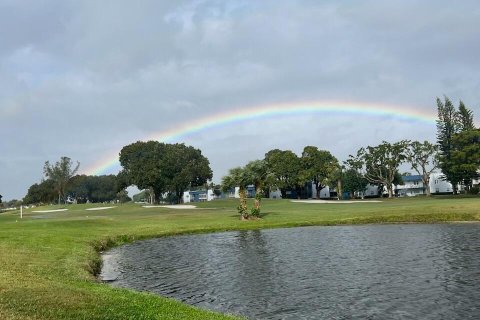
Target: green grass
{"x":47,"y":260}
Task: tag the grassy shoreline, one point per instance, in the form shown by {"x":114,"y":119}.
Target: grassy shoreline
{"x":49,"y":260}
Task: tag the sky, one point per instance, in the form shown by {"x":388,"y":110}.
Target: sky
{"x":84,"y":78}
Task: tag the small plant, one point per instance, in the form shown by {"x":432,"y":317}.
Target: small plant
{"x":256,"y":209}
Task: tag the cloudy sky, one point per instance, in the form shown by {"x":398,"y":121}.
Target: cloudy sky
{"x":84,"y":78}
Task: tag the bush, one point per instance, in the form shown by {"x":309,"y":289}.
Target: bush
{"x":474,"y":190}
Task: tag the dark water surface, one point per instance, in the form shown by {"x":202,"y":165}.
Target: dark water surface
{"x":345,"y":272}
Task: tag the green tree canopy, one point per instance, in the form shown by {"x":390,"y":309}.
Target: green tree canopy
{"x":93,"y":188}
{"x":164,"y":168}
{"x":465,"y":157}
{"x":41,"y":193}
{"x":380,"y":163}
{"x":285,"y":169}
{"x":184,"y":167}
{"x":142,"y":166}
{"x":354,"y":182}
{"x":319,"y":166}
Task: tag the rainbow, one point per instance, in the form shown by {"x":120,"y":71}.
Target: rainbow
{"x":110,"y":161}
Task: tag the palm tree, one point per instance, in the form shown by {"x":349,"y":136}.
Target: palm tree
{"x":257,"y":174}
{"x":237,"y":177}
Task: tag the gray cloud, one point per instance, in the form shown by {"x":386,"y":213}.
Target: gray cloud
{"x":83,"y":79}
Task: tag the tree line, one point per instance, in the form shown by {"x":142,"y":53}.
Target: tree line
{"x":456,"y":153}
{"x":62,"y":184}
{"x":164,"y":170}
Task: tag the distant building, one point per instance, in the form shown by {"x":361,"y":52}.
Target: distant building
{"x":309,"y":192}
{"x":412,"y":186}
{"x":439,"y":185}
{"x":198,"y":196}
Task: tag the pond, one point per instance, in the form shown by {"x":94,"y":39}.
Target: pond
{"x":371,"y":271}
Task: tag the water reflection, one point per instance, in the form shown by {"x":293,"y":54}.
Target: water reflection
{"x":376,"y":272}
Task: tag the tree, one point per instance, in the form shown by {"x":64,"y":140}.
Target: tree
{"x":217,"y":189}
{"x":0,"y":198}
{"x":122,"y":196}
{"x":78,"y":188}
{"x":163,"y":168}
{"x":285,"y":170}
{"x":257,"y":174}
{"x":380,"y":164}
{"x":449,"y":123}
{"x":319,"y":166}
{"x":237,"y":177}
{"x":423,"y":158}
{"x":61,"y":173}
{"x":14,"y":203}
{"x":142,"y":196}
{"x":184,"y":167}
{"x":41,"y":193}
{"x":465,"y":118}
{"x":102,"y":188}
{"x":354,"y":182}
{"x":142,"y":166}
{"x":465,"y":156}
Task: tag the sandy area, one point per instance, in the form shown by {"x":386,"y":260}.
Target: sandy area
{"x":45,"y":211}
{"x":99,"y":208}
{"x":335,"y":201}
{"x":176,"y":206}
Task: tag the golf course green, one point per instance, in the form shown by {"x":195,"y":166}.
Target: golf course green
{"x":48,"y":260}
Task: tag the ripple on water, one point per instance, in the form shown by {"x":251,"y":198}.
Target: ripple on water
{"x":374,"y":271}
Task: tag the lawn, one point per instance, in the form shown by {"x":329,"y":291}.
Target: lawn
{"x":48,"y":260}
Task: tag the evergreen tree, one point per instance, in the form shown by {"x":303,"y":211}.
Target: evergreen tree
{"x":465,"y":118}
{"x":453,"y":150}
{"x":447,"y":126}
{"x":466,"y":156}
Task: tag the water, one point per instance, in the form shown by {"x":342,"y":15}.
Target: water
{"x":345,"y":272}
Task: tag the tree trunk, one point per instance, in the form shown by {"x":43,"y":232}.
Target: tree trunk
{"x":317,"y":189}
{"x":339,"y":190}
{"x":178,"y":197}
{"x":152,"y":195}
{"x":243,"y":204}
{"x":257,"y":198}
{"x":426,"y":186}
{"x":390,"y":191}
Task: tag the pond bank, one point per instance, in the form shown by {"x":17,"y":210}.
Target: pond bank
{"x":47,"y":264}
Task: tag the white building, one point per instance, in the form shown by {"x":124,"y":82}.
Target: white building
{"x":438,"y":185}
{"x":198,"y":196}
{"x":412,"y":186}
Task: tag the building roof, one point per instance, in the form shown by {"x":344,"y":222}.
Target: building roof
{"x":412,"y":178}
